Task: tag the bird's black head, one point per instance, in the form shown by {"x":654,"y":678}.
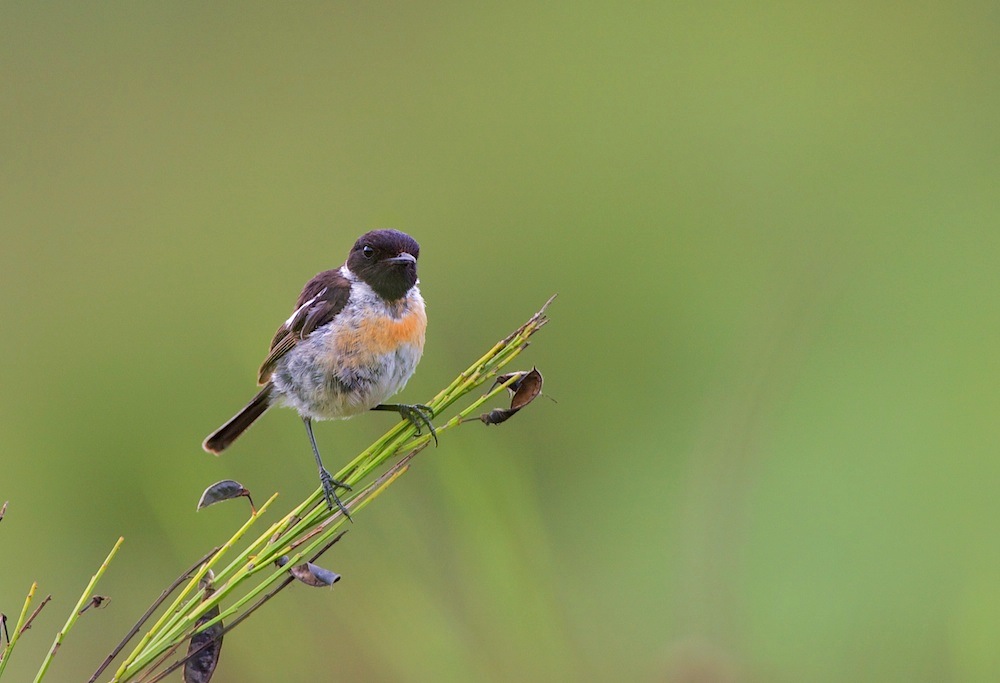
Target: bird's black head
{"x":387,"y":261}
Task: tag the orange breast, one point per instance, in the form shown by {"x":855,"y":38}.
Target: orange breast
{"x":384,"y":334}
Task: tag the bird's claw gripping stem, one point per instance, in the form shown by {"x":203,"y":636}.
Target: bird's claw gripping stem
{"x":417,"y":414}
{"x":330,"y":486}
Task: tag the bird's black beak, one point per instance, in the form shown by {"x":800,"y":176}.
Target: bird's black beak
{"x":405,"y":257}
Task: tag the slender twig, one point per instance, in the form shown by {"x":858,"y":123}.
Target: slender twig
{"x":152,"y":674}
{"x":75,"y":614}
{"x":149,"y":612}
{"x":27,"y":623}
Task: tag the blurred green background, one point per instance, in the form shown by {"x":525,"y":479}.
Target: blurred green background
{"x":773,"y":228}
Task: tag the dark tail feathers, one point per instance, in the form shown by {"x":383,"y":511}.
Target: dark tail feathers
{"x":221,"y":438}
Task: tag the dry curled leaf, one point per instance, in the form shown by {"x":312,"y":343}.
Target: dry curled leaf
{"x":226,"y":489}
{"x":524,"y":389}
{"x":284,"y":559}
{"x":204,"y":649}
{"x":97,"y":602}
{"x":204,"y":646}
{"x":314,"y":575}
{"x":3,"y":509}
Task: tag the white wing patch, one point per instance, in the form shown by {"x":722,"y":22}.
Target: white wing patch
{"x":298,"y":311}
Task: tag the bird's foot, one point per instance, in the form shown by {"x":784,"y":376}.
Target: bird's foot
{"x":330,"y":486}
{"x":417,"y":414}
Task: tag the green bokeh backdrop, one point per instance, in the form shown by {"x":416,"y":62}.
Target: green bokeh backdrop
{"x":773,"y":228}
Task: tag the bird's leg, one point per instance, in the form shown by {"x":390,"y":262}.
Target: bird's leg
{"x":325,"y":478}
{"x":416,"y":414}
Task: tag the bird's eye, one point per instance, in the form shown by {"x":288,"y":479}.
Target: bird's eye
{"x":367,"y":251}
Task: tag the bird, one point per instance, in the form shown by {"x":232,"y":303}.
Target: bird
{"x":353,"y":340}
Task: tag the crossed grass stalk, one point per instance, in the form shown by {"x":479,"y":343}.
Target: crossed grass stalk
{"x":252,"y":577}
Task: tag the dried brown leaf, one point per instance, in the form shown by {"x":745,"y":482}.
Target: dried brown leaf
{"x":206,"y":647}
{"x":97,"y":602}
{"x":524,"y":389}
{"x":226,"y":489}
{"x":314,"y":575}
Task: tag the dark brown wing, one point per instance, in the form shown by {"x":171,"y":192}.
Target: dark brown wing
{"x":321,"y":299}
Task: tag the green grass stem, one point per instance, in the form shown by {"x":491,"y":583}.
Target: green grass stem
{"x":75,"y":614}
{"x":5,"y":655}
{"x":252,"y":576}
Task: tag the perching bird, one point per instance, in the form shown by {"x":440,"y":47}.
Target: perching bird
{"x":353,"y":341}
